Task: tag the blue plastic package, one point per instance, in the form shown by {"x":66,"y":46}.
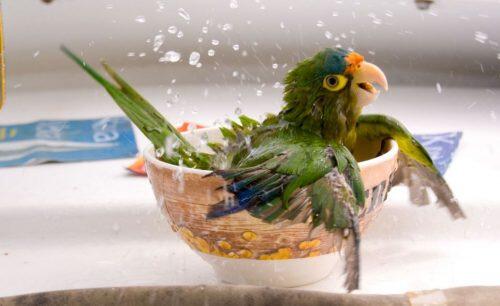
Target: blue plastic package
{"x":66,"y":141}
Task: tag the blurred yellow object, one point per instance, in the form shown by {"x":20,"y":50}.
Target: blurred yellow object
{"x":2,"y":64}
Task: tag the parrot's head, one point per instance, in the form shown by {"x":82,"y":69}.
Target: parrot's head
{"x":330,"y":89}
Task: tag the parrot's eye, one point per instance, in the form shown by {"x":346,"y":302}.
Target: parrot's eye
{"x":334,"y":82}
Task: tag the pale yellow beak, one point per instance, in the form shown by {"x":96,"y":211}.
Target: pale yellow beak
{"x":361,"y":85}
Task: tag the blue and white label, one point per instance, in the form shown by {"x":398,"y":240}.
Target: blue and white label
{"x":66,"y":141}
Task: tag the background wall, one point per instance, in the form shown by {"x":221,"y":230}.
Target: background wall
{"x":455,"y":43}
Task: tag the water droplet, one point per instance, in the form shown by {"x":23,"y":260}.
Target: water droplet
{"x":215,"y":42}
{"x":233,"y":4}
{"x":320,"y":24}
{"x":172,"y":29}
{"x":211,"y":52}
{"x":335,"y":14}
{"x":227,"y":27}
{"x":180,"y":34}
{"x":198,"y":65}
{"x":244,"y":53}
{"x":438,"y":88}
{"x":277,"y":85}
{"x":204,"y":30}
{"x":37,"y":52}
{"x":328,"y":34}
{"x":194,"y":58}
{"x":275,"y":66}
{"x":498,"y":56}
{"x":200,"y":39}
{"x":109,"y":6}
{"x":282,"y":25}
{"x":169,"y":103}
{"x":238,"y":111}
{"x":131,"y":54}
{"x":158,"y":42}
{"x":377,"y":21}
{"x":493,"y":115}
{"x":182,"y":12}
{"x":258,"y":93}
{"x":140,"y":19}
{"x":235,"y":73}
{"x":480,"y":37}
{"x":236,"y":47}
{"x":170,"y":56}
{"x":142,"y":54}
{"x":159,"y":152}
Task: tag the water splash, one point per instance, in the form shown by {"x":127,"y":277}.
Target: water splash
{"x":328,"y":35}
{"x":320,"y":24}
{"x":227,"y":27}
{"x":140,"y":19}
{"x":172,"y":29}
{"x":233,"y":4}
{"x":184,"y":15}
{"x":215,"y":42}
{"x":438,"y":88}
{"x":236,"y":47}
{"x":158,"y":42}
{"x":170,"y":56}
{"x":480,"y":36}
{"x":194,"y":58}
{"x":211,"y":52}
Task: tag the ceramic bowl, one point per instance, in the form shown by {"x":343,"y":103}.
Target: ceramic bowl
{"x":243,"y":249}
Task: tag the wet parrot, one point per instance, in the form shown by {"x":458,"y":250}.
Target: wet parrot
{"x":297,"y":165}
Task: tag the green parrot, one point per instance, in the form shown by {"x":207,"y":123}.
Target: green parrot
{"x":297,"y":165}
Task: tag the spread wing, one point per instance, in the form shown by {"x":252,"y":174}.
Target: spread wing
{"x":294,"y":178}
{"x":416,"y":168}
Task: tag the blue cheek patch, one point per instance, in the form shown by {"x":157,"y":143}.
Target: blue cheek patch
{"x":441,"y":147}
{"x":66,"y":141}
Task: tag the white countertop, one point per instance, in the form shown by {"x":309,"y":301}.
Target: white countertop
{"x":91,"y":224}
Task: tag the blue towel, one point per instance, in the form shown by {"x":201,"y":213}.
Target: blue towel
{"x":66,"y":141}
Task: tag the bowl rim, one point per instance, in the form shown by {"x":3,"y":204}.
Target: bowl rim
{"x":150,"y":156}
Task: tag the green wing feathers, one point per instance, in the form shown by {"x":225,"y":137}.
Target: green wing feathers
{"x":416,"y":168}
{"x":151,"y":122}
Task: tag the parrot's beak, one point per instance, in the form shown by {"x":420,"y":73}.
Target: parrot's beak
{"x":361,"y":85}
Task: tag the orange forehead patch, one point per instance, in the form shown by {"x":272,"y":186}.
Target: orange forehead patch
{"x":353,"y":60}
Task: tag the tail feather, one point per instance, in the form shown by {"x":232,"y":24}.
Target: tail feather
{"x":151,"y":122}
